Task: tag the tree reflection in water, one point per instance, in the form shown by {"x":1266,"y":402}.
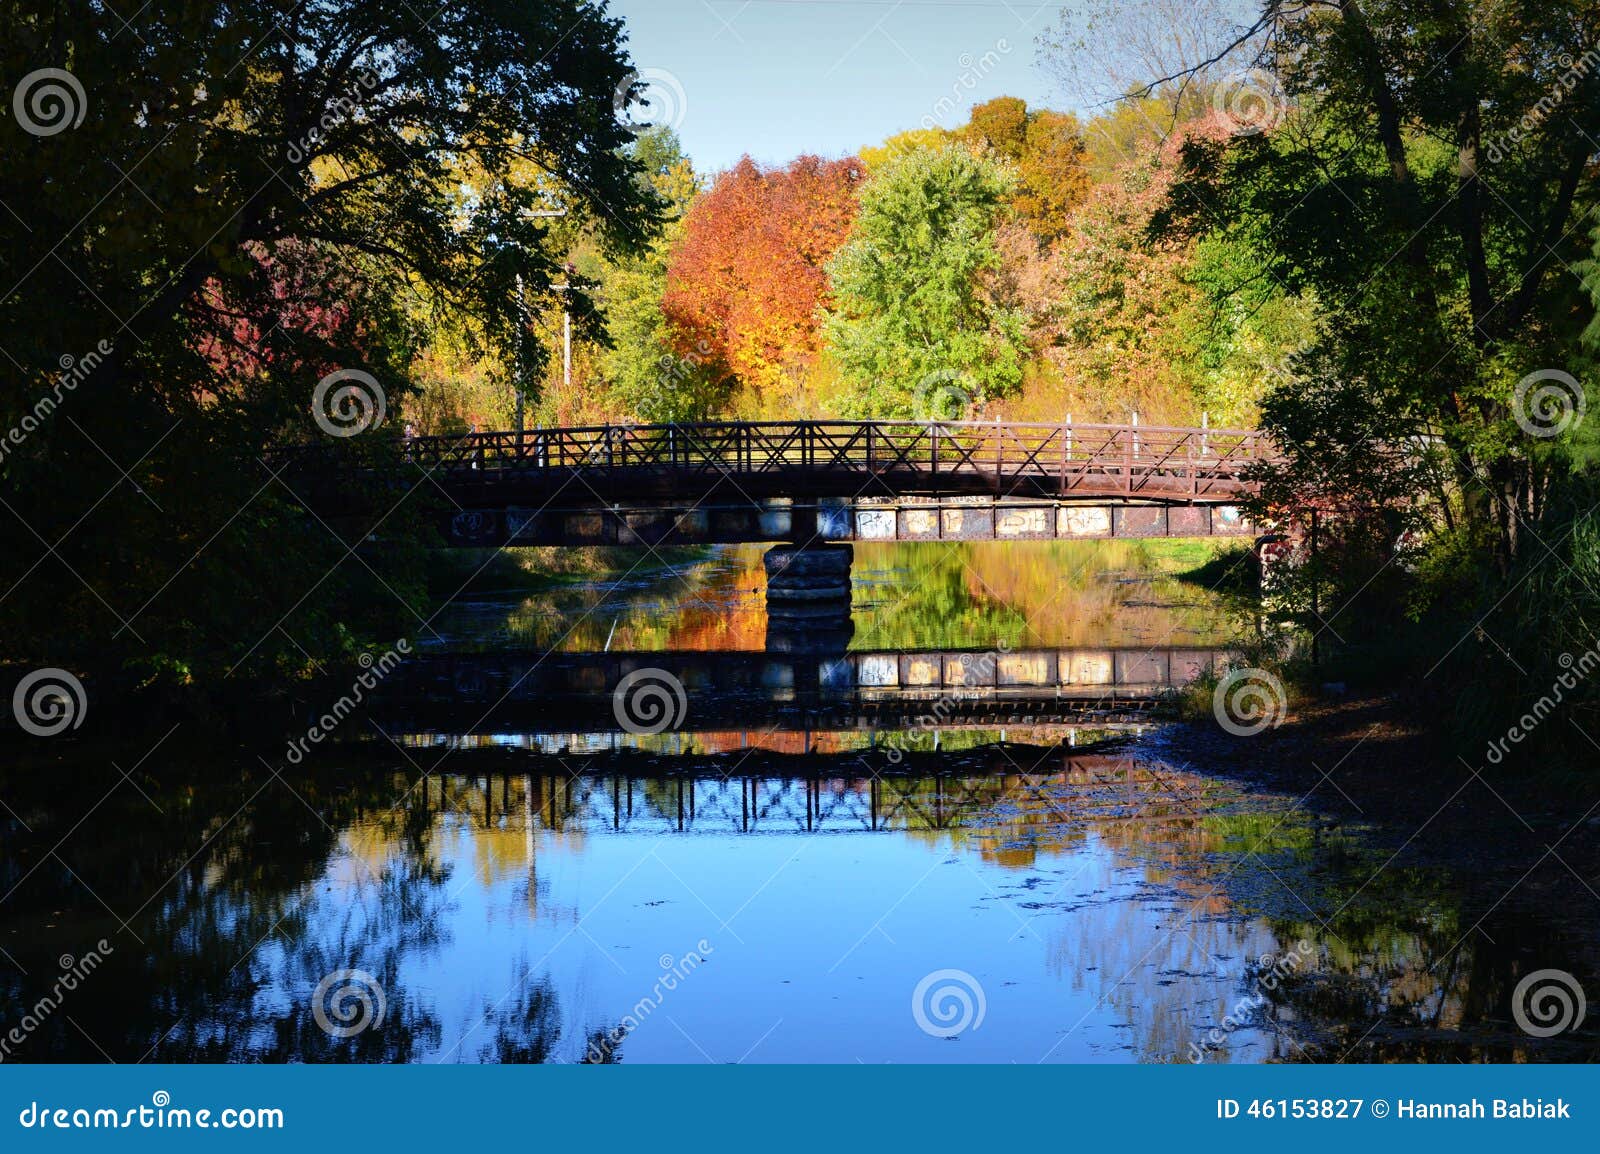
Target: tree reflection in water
{"x":1155,"y":893}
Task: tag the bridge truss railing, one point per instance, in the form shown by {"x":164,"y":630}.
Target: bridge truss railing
{"x":1134,"y":459}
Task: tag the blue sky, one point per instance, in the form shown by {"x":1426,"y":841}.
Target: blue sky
{"x":776,"y":78}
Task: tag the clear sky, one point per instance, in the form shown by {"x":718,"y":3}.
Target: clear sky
{"x":776,"y":78}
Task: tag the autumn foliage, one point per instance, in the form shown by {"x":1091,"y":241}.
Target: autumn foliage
{"x":282,"y":302}
{"x":748,"y":277}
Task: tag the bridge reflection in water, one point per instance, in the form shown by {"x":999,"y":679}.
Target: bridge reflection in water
{"x":1007,"y":807}
{"x":741,"y":691}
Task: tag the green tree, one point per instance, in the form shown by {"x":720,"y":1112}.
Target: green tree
{"x":1428,"y":186}
{"x":912,"y":324}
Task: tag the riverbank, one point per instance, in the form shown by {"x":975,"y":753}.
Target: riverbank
{"x":1373,"y":760}
{"x":538,"y":569}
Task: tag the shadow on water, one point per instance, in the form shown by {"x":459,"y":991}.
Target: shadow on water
{"x":852,"y":855}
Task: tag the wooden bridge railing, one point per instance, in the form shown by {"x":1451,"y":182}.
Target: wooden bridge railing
{"x":1093,"y":458}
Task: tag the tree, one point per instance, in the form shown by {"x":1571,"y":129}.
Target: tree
{"x":1145,"y":69}
{"x":1125,"y":346}
{"x":747,"y":278}
{"x":1047,"y":152}
{"x":1120,"y":321}
{"x":656,"y":373}
{"x":1052,"y":174}
{"x":1109,"y":52}
{"x":1000,"y":126}
{"x":874,"y":157}
{"x":911,"y":320}
{"x":1427,"y":186}
{"x":223,"y":204}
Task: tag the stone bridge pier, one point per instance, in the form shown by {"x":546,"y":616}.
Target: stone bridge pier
{"x":808,"y":597}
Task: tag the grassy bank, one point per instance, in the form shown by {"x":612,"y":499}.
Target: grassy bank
{"x":534,"y":569}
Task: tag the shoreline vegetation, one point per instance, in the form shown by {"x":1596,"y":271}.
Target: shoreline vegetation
{"x":1342,"y":226}
{"x":538,"y":569}
{"x":1374,"y":760}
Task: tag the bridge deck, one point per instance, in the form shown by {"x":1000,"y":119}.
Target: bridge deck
{"x":872,"y":458}
{"x":655,"y":484}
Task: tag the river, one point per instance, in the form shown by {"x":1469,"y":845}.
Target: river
{"x":466,"y":869}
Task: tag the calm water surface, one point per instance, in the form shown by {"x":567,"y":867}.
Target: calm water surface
{"x":469,"y":899}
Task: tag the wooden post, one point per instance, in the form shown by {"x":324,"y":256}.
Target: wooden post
{"x":1127,"y":460}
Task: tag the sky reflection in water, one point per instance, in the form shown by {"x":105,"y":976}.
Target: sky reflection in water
{"x":1054,"y":906}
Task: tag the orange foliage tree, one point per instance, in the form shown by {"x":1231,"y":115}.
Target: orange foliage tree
{"x":1048,"y":151}
{"x":748,"y":277}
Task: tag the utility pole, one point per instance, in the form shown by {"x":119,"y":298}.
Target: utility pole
{"x":522,"y":299}
{"x":566,"y":316}
{"x":566,"y":328}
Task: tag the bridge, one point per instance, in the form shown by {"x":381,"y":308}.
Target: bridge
{"x":840,"y":795}
{"x":806,"y":481}
{"x":577,"y":693}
